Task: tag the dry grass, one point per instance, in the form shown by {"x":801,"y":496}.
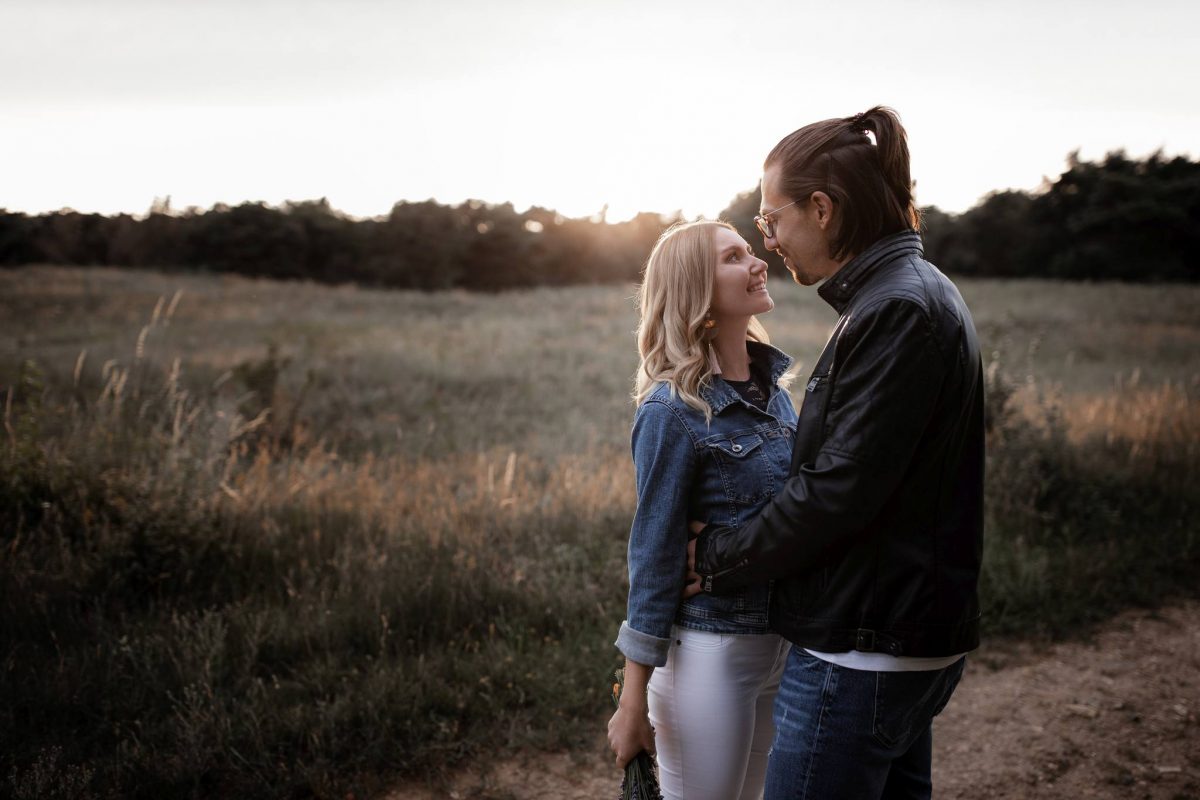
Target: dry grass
{"x":281,"y":539}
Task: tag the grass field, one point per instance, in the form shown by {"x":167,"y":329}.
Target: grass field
{"x":281,"y":539}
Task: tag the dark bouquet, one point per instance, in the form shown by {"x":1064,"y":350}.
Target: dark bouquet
{"x":640,"y":782}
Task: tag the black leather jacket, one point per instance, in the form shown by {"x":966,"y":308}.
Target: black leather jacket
{"x":876,"y":539}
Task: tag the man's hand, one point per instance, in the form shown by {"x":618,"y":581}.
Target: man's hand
{"x":630,"y":731}
{"x":691,"y":587}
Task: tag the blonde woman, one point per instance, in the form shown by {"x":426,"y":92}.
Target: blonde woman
{"x":712,"y":440}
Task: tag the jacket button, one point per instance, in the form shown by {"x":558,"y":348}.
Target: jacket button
{"x":737,"y":448}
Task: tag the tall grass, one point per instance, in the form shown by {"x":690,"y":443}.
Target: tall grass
{"x":191,"y":610}
{"x":1090,"y":507}
{"x":208,"y":591}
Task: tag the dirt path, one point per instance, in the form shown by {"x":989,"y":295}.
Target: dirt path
{"x":1111,"y":718}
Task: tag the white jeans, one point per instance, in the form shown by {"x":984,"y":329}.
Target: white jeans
{"x":711,"y":708}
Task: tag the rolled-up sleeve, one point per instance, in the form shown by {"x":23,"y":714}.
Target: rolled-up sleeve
{"x":664,"y":458}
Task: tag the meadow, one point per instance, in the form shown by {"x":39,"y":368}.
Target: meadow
{"x":278,"y":539}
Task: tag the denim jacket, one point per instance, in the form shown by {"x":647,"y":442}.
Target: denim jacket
{"x":687,"y":469}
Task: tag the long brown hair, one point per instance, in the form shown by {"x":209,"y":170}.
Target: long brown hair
{"x":869,"y":183}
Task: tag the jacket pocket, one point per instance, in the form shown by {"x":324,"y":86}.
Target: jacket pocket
{"x":810,"y":425}
{"x":741,"y":460}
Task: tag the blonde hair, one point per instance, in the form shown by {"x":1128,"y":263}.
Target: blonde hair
{"x":674,"y":298}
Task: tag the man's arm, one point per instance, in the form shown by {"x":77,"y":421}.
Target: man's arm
{"x":889,"y":375}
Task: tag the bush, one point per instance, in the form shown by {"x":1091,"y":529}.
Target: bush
{"x":1082,"y":523}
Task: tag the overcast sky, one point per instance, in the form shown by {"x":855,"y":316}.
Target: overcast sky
{"x":106,"y":104}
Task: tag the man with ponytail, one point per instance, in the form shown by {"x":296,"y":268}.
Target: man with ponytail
{"x":875,"y":540}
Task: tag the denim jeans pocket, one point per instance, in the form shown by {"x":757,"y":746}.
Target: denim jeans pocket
{"x":906,"y":702}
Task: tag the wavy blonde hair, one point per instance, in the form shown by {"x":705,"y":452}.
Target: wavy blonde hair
{"x":674,"y":298}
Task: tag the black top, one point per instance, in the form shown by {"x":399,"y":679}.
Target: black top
{"x":754,"y":391}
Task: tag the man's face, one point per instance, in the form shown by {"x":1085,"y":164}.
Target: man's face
{"x":799,"y":235}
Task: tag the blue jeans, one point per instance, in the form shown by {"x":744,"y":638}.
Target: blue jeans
{"x":848,"y":733}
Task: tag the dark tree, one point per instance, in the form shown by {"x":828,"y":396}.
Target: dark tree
{"x":1116,"y":218}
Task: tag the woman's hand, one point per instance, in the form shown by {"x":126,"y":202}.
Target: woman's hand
{"x":691,"y":586}
{"x":630,"y":731}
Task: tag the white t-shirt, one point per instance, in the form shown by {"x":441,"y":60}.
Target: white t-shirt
{"x":882,"y":662}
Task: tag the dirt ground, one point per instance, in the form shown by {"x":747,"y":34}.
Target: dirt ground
{"x":1112,"y":717}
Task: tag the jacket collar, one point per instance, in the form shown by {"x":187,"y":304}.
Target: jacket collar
{"x":839,"y":289}
{"x":720,"y":394}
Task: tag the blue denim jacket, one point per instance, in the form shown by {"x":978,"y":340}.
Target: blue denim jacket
{"x":721,"y":473}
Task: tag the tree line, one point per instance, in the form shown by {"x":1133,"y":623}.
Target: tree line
{"x":1115,"y":218}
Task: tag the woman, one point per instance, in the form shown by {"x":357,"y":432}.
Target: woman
{"x":712,"y":439}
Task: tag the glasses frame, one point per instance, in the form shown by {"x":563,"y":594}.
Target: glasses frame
{"x":766,"y":225}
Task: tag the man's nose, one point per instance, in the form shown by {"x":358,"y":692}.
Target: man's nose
{"x":770,"y":243}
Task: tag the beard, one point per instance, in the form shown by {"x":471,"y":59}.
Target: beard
{"x":800,"y":276}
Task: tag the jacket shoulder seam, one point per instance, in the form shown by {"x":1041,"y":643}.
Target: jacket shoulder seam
{"x":899,"y":295}
{"x":679,"y":417}
{"x":894,"y":296}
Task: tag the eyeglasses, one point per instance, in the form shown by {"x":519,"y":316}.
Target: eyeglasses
{"x":766,"y":225}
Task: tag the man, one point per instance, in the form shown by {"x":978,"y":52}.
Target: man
{"x":875,"y":541}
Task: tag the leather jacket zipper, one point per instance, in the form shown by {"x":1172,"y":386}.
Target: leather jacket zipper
{"x":708,"y":579}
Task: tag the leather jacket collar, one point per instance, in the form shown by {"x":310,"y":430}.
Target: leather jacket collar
{"x":840,"y":288}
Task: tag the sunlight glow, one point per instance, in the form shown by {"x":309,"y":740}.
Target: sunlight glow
{"x":623,"y":107}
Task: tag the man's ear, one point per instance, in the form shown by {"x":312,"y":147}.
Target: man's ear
{"x":822,"y":204}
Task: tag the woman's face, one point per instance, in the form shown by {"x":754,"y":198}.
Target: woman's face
{"x":740,"y":282}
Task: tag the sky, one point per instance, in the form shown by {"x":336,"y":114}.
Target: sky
{"x":637,"y":106}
